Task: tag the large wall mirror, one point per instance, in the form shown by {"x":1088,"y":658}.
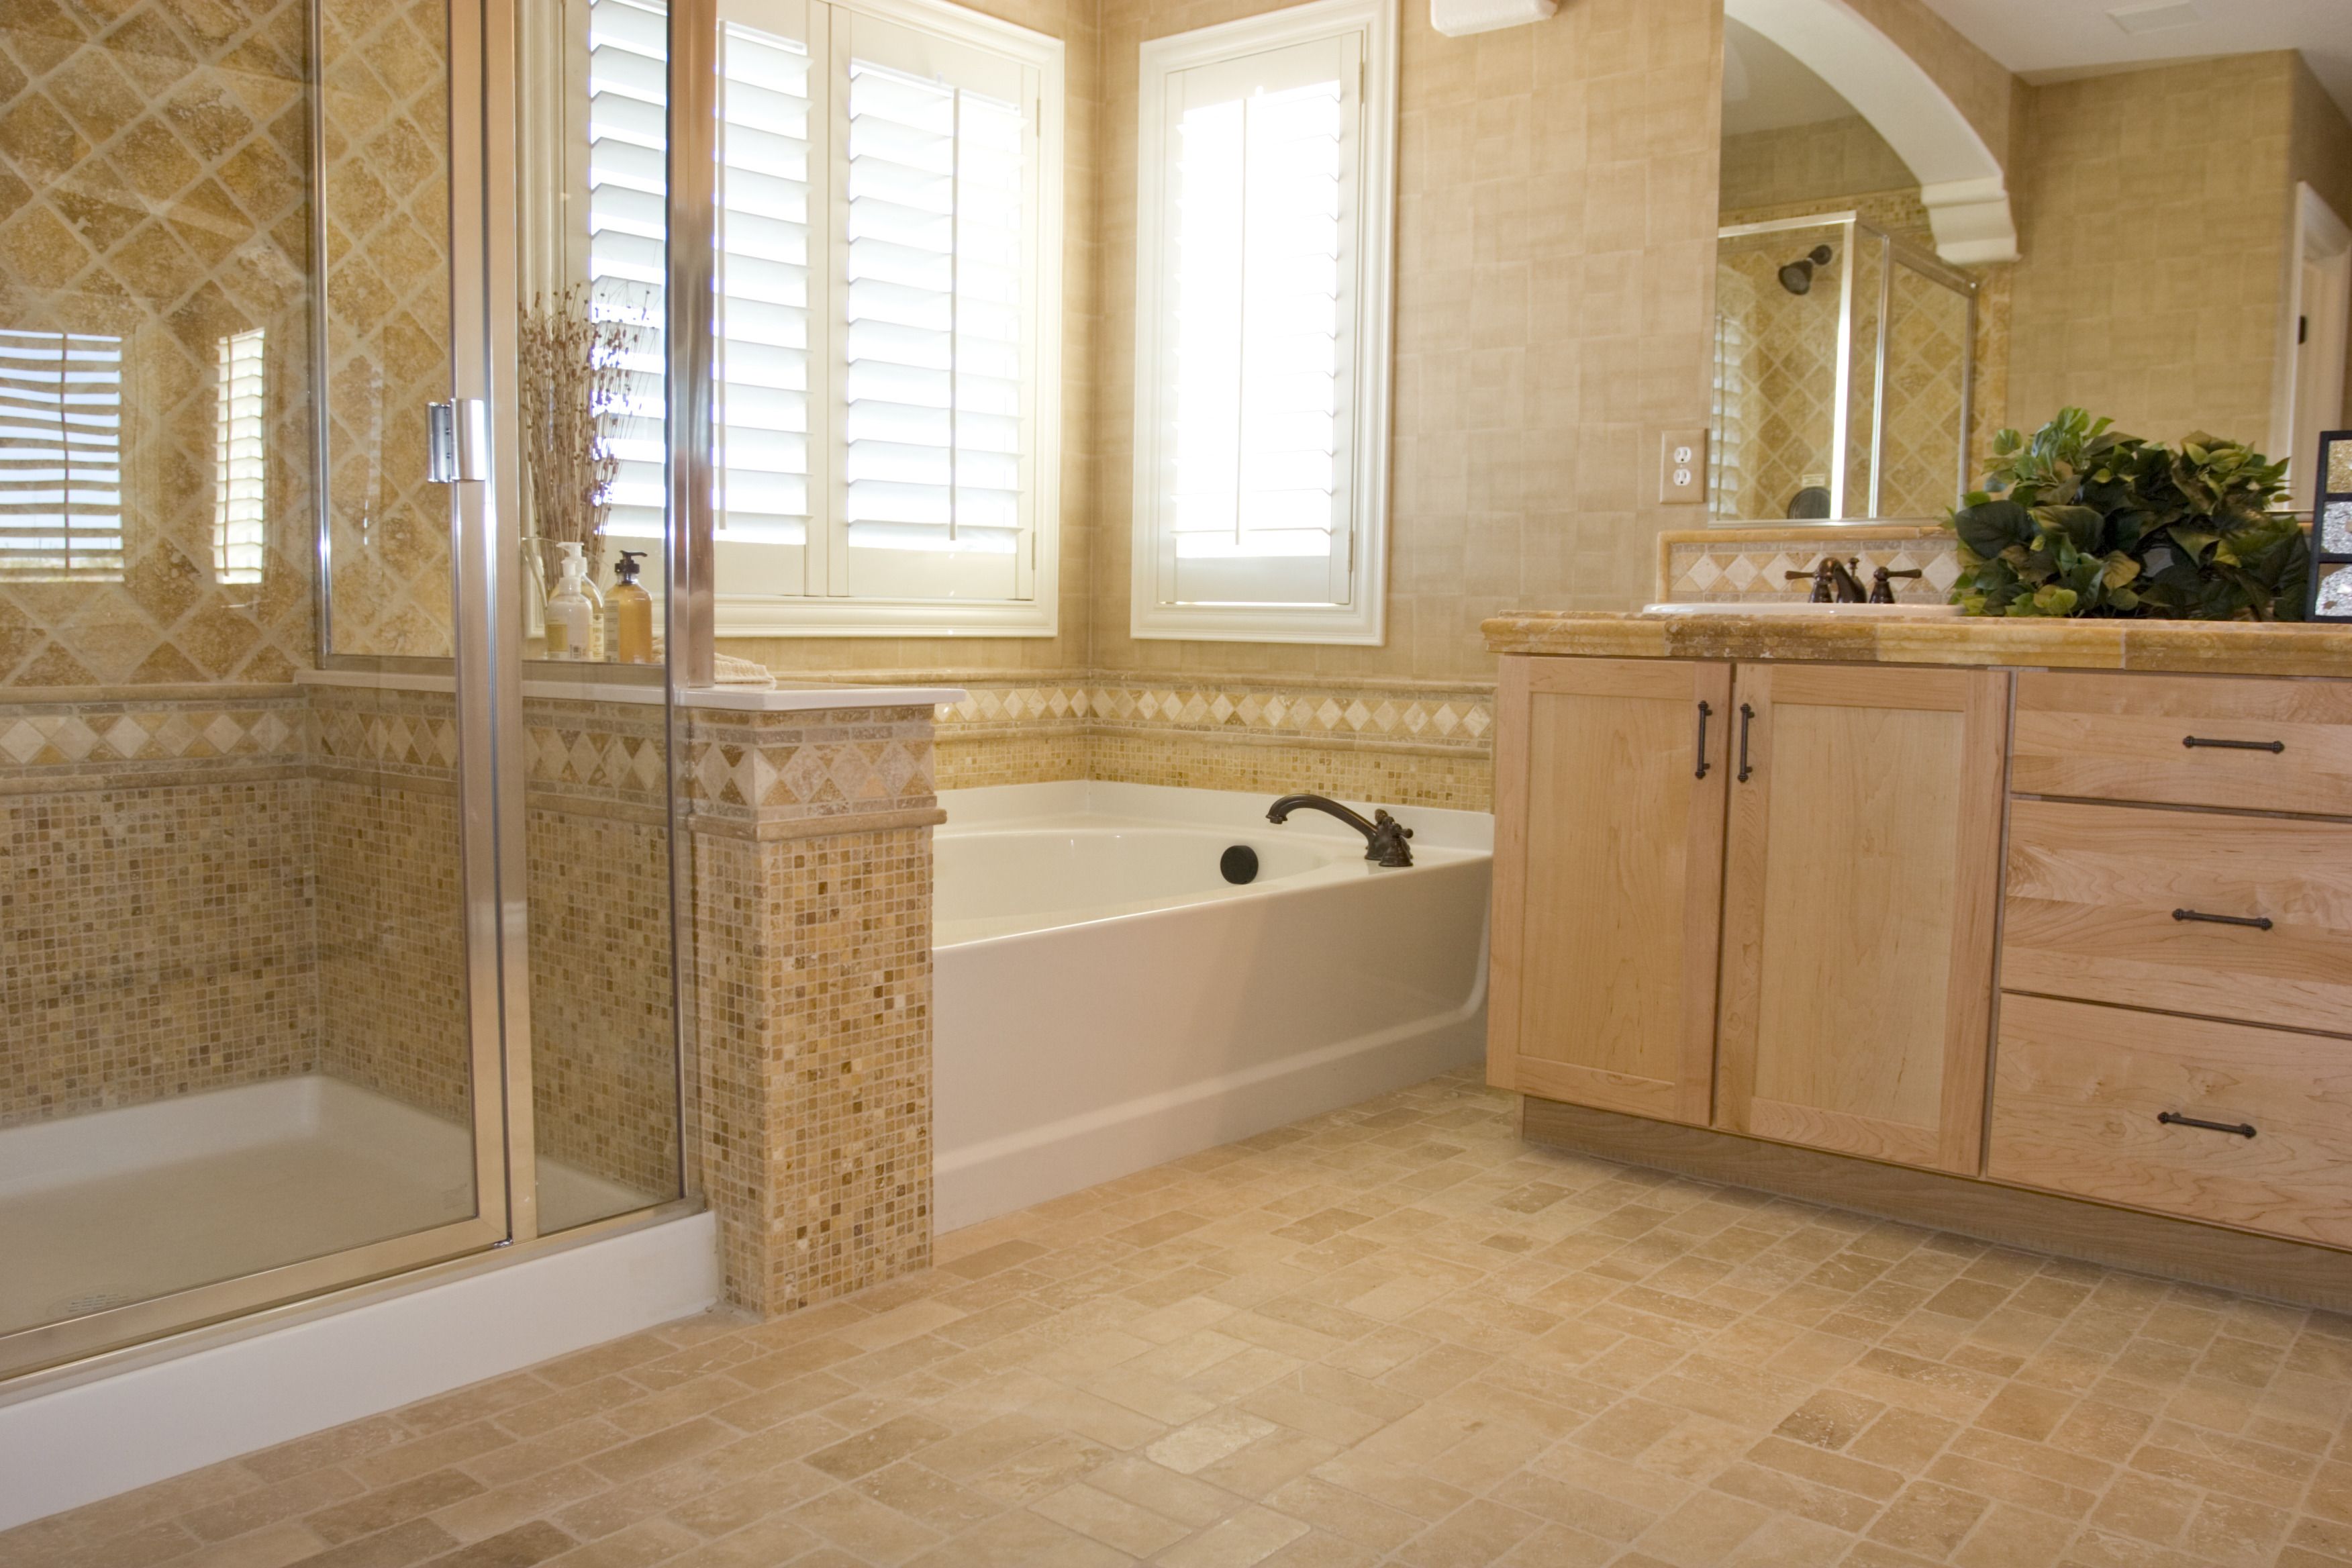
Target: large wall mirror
{"x":2171,"y":251}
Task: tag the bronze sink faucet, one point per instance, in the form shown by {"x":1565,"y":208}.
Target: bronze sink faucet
{"x":1833,"y":581}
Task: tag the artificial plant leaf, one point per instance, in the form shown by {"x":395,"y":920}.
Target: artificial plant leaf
{"x":1993,"y":527}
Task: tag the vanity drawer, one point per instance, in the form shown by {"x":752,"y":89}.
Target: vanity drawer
{"x":2078,"y":1091}
{"x":2288,"y":743}
{"x":2140,"y":907}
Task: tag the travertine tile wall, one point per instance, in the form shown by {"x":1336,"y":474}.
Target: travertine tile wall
{"x":152,"y":189}
{"x":385,"y":114}
{"x":1075,"y":23}
{"x":1403,"y":743}
{"x":1828,"y":160}
{"x":1554,"y":249}
{"x":2152,"y":214}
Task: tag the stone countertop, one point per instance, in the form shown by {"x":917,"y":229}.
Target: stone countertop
{"x":2178,"y":648}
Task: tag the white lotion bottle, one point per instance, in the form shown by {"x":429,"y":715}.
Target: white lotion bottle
{"x":571,"y":618}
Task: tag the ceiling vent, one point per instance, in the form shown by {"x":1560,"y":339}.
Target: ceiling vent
{"x":2157,"y":18}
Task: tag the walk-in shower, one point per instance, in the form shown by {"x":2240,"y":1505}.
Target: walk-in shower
{"x":1844,"y":362}
{"x":336,"y":934}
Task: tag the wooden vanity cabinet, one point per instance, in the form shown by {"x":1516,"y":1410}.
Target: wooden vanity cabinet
{"x":1860,"y":899}
{"x":1610,"y":779}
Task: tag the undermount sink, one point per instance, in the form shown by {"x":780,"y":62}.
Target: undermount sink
{"x":1803,"y":610}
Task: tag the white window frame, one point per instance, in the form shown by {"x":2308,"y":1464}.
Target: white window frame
{"x":834,"y":612}
{"x":1362,"y":618}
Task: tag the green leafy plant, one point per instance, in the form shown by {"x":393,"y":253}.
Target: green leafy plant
{"x":2080,"y":521}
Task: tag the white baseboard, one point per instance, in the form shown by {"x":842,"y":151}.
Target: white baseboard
{"x":82,"y":1441}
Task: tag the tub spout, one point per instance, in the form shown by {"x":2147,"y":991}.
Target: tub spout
{"x":1384,"y":836}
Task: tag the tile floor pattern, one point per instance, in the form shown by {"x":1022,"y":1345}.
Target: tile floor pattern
{"x":1391,"y":1334}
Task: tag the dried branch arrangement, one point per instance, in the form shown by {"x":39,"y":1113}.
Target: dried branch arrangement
{"x":571,"y":378}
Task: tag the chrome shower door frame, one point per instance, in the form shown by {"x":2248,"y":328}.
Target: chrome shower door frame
{"x":489,"y":714}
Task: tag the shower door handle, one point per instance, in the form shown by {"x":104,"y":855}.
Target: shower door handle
{"x":457,"y":441}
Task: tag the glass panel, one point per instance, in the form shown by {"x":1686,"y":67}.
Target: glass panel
{"x":1862,"y":371}
{"x":232,"y":1023}
{"x":604,"y":1054}
{"x":1926,"y":378}
{"x":385,"y":105}
{"x":1776,"y":382}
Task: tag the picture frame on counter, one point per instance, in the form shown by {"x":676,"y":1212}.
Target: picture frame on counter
{"x":2331,"y":530}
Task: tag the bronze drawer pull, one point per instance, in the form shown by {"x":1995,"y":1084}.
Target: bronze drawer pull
{"x":1747,"y":719}
{"x":2174,"y":1119}
{"x":2273,"y":747}
{"x":1703,"y":712}
{"x":2259,"y":923}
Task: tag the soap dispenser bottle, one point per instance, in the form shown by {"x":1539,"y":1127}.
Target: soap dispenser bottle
{"x":629,"y":615}
{"x":571,"y":617}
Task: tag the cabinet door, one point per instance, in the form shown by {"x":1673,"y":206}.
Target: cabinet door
{"x":1609,"y":799}
{"x":1859,"y":898}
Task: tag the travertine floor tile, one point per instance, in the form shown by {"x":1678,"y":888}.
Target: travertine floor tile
{"x":1391,"y":1335}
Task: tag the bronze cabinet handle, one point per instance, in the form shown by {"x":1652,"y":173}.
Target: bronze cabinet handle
{"x":2273,"y":747}
{"x":1747,"y":719}
{"x":2236,"y":1128}
{"x":2258,"y":922}
{"x":1703,"y":712}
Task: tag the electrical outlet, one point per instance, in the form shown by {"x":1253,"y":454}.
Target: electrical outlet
{"x":1682,"y":467}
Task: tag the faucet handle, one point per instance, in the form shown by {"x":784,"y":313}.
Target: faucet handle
{"x":1381,"y":818}
{"x":1881,"y":589}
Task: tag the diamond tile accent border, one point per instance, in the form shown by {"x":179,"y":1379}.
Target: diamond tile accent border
{"x":1729,"y":566}
{"x":45,"y":742}
{"x":1461,"y":718}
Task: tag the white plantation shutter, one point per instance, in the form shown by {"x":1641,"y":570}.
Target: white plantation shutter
{"x":1262,"y":313}
{"x":937,"y":271}
{"x":887,"y":223}
{"x":1258,"y":374}
{"x":240,"y":458}
{"x":629,"y":134}
{"x":60,"y":455}
{"x":763,"y":359}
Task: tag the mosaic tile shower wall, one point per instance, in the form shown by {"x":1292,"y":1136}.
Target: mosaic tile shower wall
{"x":127,"y":829}
{"x":392,"y":961}
{"x":603,"y":1061}
{"x":152,"y":205}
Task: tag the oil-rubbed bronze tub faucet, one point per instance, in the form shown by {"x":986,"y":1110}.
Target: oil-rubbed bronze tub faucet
{"x":1384,"y":836}
{"x":1833,"y":581}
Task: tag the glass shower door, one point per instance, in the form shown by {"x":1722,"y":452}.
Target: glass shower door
{"x":251,"y":920}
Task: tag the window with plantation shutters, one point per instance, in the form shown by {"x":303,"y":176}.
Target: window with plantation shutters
{"x":240,"y":458}
{"x":60,"y":455}
{"x":1265,"y":199}
{"x":627,"y":256}
{"x":887,"y":246}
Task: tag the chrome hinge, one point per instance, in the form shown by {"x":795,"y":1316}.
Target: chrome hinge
{"x":457,"y":441}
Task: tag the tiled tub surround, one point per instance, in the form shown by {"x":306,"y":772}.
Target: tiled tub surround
{"x":1092,"y":1017}
{"x":1397,"y":1333}
{"x":1406,"y":743}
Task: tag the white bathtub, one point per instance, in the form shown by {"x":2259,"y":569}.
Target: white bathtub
{"x":1105,"y":1000}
